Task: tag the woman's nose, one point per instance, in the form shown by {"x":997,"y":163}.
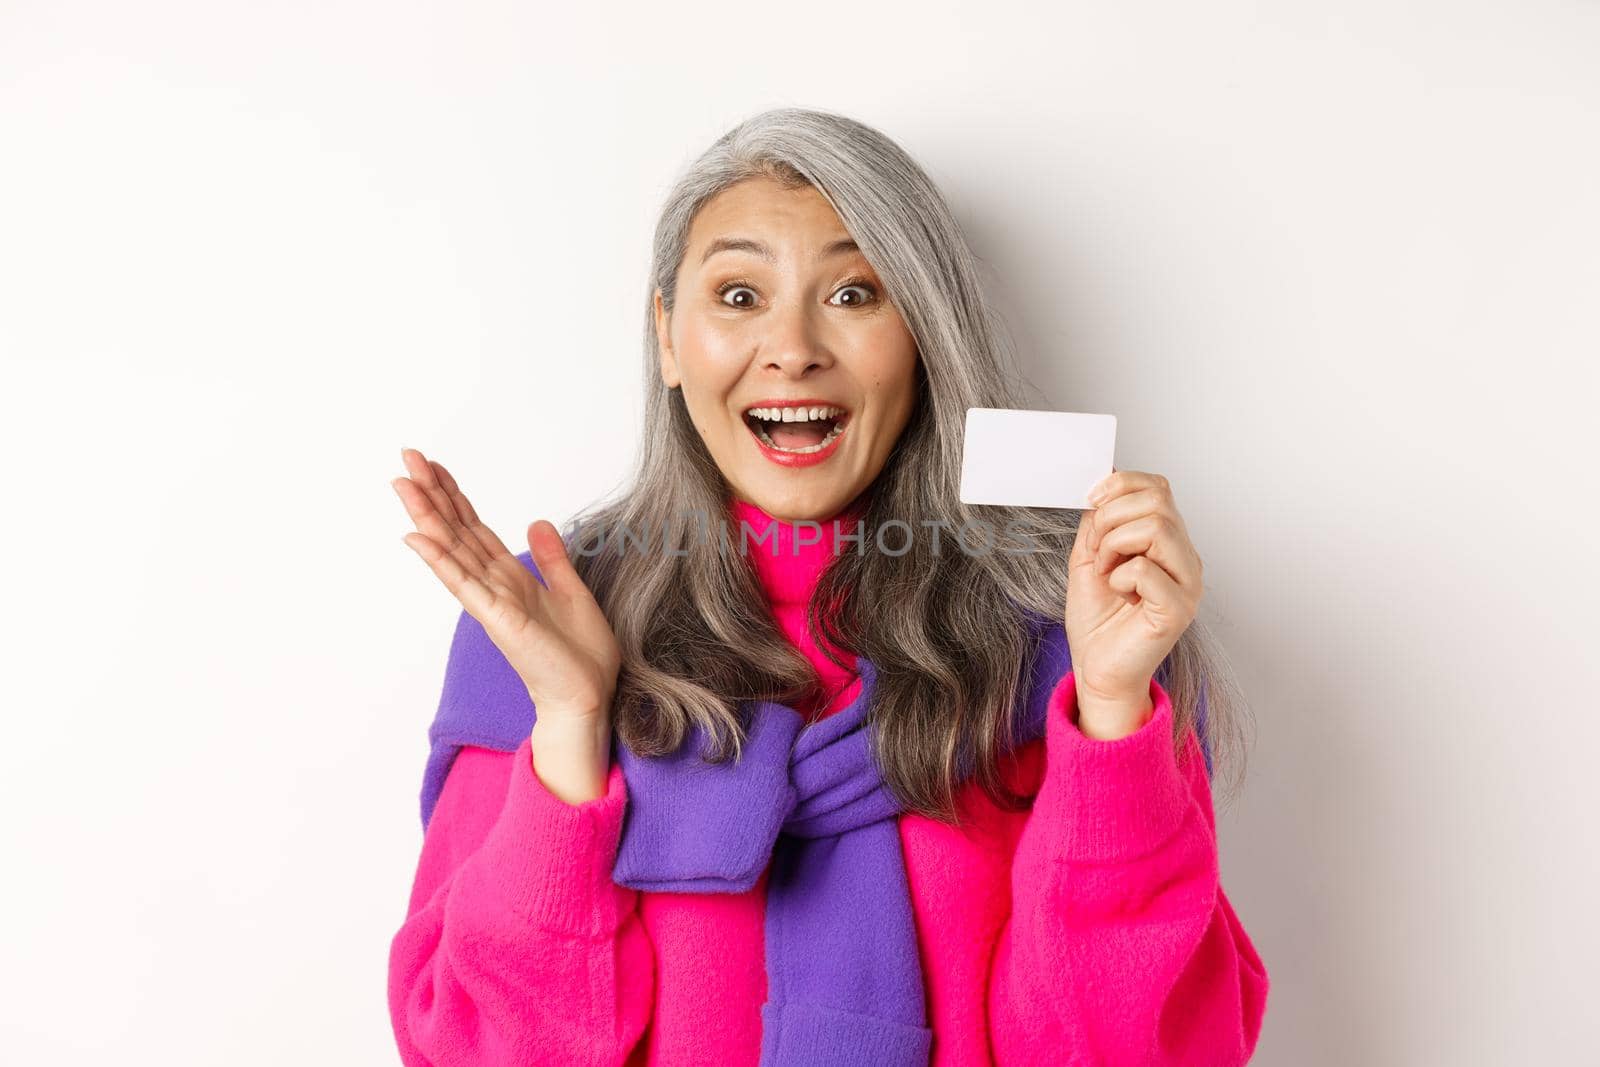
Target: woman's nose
{"x":793,"y":345}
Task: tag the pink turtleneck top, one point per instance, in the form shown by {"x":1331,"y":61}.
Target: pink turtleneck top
{"x":1092,"y":929}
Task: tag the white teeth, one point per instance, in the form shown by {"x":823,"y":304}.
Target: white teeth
{"x":795,"y":414}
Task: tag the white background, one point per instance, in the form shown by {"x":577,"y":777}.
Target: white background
{"x":1333,"y":266}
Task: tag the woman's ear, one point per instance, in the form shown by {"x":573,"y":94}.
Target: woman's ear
{"x":669,"y":362}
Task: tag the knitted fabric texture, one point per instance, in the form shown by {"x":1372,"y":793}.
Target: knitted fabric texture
{"x":844,"y":980}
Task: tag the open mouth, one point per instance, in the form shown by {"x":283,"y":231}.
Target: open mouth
{"x":798,"y":431}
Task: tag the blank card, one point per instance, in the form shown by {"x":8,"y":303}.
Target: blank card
{"x":1035,"y":459}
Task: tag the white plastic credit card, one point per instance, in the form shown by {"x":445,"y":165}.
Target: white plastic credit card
{"x":1035,"y":459}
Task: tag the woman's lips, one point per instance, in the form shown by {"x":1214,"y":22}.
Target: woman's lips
{"x":799,"y":459}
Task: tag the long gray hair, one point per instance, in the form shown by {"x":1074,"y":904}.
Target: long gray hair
{"x":693,"y":625}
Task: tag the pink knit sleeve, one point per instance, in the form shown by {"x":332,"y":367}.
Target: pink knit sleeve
{"x":1121,"y":947}
{"x":518,"y":947}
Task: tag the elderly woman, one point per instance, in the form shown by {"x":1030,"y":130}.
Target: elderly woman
{"x":812,"y":779}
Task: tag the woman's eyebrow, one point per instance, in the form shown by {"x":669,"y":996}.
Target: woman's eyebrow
{"x":746,"y":244}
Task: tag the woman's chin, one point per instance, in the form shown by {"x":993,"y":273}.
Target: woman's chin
{"x":816,"y":504}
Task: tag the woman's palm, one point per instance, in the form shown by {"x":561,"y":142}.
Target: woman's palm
{"x":554,"y":635}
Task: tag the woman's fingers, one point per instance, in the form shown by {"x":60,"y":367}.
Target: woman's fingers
{"x":549,"y":553}
{"x":449,"y":531}
{"x":420,"y":507}
{"x":464,"y":511}
{"x":1158,"y":594}
{"x":444,"y":537}
{"x":1135,"y":501}
{"x":468,"y":587}
{"x":1137,"y":518}
{"x":1154,"y":537}
{"x":1080,"y":539}
{"x":1082,"y":554}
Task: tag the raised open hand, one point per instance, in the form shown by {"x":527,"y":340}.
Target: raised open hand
{"x":554,"y":635}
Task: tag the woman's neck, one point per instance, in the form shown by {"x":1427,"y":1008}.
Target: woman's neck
{"x":790,"y":557}
{"x":789,"y":564}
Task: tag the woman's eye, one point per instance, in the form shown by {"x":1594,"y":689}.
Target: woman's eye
{"x":859,"y":301}
{"x":735,"y":287}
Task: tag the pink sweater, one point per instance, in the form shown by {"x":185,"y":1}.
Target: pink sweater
{"x":1091,"y":930}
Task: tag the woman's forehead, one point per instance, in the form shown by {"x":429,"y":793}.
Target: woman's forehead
{"x":760,"y":217}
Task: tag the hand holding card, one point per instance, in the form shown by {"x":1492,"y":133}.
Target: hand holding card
{"x":1133,"y":582}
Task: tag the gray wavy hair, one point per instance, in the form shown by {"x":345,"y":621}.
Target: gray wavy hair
{"x":694,"y":628}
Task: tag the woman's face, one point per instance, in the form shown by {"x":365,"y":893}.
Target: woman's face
{"x":775,"y":306}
